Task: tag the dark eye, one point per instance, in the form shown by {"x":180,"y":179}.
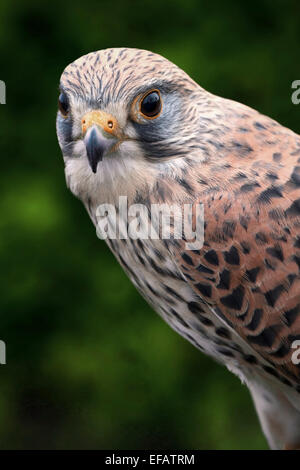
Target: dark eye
{"x":63,"y":104}
{"x":151,"y":104}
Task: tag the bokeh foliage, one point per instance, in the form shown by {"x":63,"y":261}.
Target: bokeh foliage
{"x":89,"y":365}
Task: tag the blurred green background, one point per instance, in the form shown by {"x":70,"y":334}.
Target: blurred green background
{"x":89,"y":364}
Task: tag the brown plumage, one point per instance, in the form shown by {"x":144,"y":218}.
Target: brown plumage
{"x":238,"y":297}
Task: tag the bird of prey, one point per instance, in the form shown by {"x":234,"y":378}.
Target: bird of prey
{"x":131,"y":123}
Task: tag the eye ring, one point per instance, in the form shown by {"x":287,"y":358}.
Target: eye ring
{"x":63,"y":104}
{"x":151,"y":104}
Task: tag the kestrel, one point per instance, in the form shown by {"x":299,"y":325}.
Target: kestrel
{"x":131,"y":123}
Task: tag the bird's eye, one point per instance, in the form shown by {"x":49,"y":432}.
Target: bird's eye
{"x":63,"y":104}
{"x":151,"y":105}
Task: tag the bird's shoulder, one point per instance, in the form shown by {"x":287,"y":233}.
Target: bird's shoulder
{"x":248,"y":268}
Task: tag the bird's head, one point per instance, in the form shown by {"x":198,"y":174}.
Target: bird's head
{"x":124,"y":115}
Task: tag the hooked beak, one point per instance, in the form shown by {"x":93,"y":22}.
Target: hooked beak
{"x":100,"y":135}
{"x":97,"y":145}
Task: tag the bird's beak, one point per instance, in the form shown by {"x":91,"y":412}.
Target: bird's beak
{"x":101,"y":132}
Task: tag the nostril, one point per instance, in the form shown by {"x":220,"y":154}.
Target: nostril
{"x":110,"y":124}
{"x":83,"y":121}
